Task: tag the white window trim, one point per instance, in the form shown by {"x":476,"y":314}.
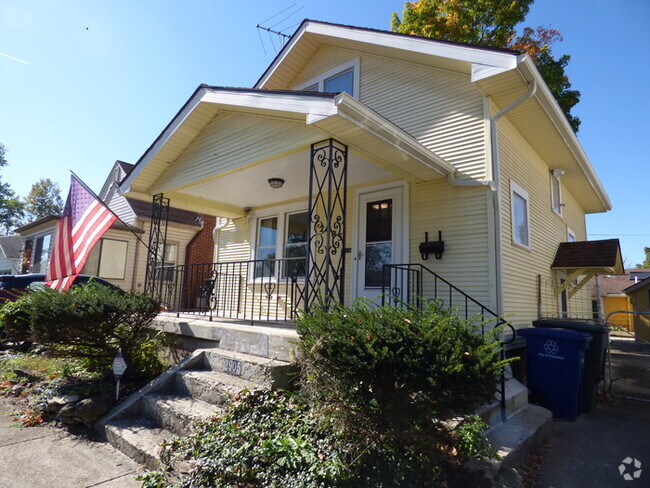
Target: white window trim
{"x":560,"y":204}
{"x":515,"y":188}
{"x":570,"y":234}
{"x":320,"y":79}
{"x":282,"y":214}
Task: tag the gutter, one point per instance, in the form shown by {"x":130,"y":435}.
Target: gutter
{"x":495,"y":186}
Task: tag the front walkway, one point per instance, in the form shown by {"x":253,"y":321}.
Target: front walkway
{"x":47,"y":457}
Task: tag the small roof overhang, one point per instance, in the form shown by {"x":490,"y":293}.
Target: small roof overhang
{"x":330,"y":115}
{"x":636,"y":286}
{"x":587,"y":259}
{"x":502,"y":74}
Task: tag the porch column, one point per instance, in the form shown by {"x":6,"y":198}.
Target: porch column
{"x":328,"y":167}
{"x":153,"y":281}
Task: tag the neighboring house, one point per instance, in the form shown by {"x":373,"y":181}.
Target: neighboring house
{"x":370,"y":143}
{"x":120,"y":256}
{"x":639,"y":294}
{"x":611,"y":291}
{"x":11,"y":248}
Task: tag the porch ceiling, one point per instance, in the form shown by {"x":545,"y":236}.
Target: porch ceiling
{"x":216,"y":155}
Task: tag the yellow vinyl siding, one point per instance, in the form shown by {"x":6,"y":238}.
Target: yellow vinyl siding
{"x":233,"y":141}
{"x":176,"y":234}
{"x":449,"y":120}
{"x":520,"y":163}
{"x":461,"y":213}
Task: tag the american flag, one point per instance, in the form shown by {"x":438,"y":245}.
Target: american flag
{"x":83,"y":222}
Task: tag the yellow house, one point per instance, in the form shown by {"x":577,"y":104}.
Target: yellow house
{"x":356,"y":155}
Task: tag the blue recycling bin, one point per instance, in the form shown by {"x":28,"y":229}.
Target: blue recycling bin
{"x":556,"y":359}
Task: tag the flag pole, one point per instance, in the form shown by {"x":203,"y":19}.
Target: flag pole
{"x":109,"y":209}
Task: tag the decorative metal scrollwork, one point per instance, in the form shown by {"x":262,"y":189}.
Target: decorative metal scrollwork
{"x":153,"y":282}
{"x":327,"y":212}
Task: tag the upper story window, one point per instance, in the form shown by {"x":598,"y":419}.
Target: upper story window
{"x":556,"y":192}
{"x":344,"y":78}
{"x":520,"y":215}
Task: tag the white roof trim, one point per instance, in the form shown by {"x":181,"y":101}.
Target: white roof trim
{"x":549,"y":104}
{"x":502,"y":61}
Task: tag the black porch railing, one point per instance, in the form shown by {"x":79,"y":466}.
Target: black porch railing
{"x":413,"y":284}
{"x":269,"y":290}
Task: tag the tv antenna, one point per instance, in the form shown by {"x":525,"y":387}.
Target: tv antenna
{"x":276,"y":34}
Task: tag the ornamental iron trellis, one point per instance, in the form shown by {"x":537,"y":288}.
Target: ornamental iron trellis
{"x":154,"y":277}
{"x":328,"y":182}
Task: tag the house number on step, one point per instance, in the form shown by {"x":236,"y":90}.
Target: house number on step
{"x":233,"y":367}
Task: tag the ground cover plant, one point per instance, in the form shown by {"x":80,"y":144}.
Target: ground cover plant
{"x":385,"y":401}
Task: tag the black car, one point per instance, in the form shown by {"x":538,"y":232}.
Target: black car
{"x":13,"y":286}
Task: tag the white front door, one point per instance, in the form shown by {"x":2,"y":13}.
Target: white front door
{"x":380,"y":235}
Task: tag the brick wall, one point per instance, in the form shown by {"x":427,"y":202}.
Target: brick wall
{"x":200,"y":249}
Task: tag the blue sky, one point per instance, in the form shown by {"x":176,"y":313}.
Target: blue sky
{"x":105,"y":76}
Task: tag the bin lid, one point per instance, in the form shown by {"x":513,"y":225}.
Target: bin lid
{"x":563,"y":334}
{"x":585,"y":325}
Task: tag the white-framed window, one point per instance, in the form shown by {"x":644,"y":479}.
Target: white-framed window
{"x":281,"y":236}
{"x":520,"y":215}
{"x":570,"y":235}
{"x":41,"y":256}
{"x":556,"y":191}
{"x":343,"y":78}
{"x":107,"y":259}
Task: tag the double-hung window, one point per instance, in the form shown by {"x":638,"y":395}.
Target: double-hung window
{"x":520,"y":215}
{"x":107,"y":259}
{"x":281,"y":239}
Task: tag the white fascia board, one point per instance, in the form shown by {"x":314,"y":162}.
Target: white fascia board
{"x":125,"y":186}
{"x":285,"y":102}
{"x":432,"y":47}
{"x":357,"y":113}
{"x":555,"y":114}
{"x":483,"y":58}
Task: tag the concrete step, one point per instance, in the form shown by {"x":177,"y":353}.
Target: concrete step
{"x":138,"y":438}
{"x":516,"y":399}
{"x":210,"y":386}
{"x":262,"y":371}
{"x":522,"y":433}
{"x":178,"y":414}
{"x":276,"y":341}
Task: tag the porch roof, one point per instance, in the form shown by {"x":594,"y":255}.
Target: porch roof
{"x":316,"y":116}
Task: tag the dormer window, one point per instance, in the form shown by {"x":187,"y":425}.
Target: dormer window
{"x":344,"y":78}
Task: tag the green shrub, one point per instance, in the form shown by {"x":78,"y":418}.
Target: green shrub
{"x":389,"y":378}
{"x":89,"y":322}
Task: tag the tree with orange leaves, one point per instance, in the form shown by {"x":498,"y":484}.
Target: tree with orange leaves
{"x":492,"y":23}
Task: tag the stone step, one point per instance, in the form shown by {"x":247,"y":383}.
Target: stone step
{"x":138,"y":438}
{"x":177,"y":414}
{"x":276,"y":341}
{"x":516,"y":399}
{"x":262,"y":371}
{"x":522,"y":433}
{"x":210,"y":386}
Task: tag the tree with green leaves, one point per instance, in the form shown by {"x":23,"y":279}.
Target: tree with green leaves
{"x":44,"y":199}
{"x":492,"y":23}
{"x":11,"y":207}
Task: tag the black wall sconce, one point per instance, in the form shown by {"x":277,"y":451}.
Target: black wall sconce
{"x":432,"y":247}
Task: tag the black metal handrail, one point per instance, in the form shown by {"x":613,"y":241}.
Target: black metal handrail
{"x":269,"y":290}
{"x":405,"y":284}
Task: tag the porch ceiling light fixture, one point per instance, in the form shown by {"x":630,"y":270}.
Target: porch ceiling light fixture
{"x":276,"y":183}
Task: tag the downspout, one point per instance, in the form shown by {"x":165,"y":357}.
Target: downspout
{"x":495,"y":186}
{"x":219,"y":224}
